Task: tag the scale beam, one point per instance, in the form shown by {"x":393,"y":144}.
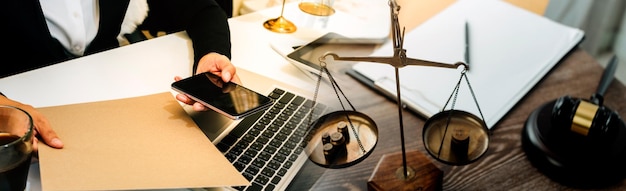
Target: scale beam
{"x":397,"y":62}
{"x":399,"y":58}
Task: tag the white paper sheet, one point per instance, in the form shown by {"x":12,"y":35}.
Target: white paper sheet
{"x":511,"y":50}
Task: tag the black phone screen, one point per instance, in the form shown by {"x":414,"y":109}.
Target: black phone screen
{"x":228,"y":98}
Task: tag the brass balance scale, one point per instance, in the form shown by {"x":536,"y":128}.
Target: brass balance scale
{"x":453,"y":137}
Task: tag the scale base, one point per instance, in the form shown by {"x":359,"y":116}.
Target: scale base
{"x":389,"y":173}
{"x":280,"y":25}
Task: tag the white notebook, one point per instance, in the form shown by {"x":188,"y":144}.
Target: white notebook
{"x":511,"y":49}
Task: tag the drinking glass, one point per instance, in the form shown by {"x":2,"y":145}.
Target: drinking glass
{"x":16,"y":140}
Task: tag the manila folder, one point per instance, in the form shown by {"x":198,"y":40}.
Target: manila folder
{"x":146,"y":142}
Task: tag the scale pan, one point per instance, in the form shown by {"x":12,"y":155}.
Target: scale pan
{"x":355,"y":149}
{"x":455,"y":137}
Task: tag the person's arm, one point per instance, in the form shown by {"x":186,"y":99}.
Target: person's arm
{"x":207,"y":26}
{"x":204,"y":21}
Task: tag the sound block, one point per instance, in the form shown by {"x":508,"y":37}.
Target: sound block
{"x":389,"y":173}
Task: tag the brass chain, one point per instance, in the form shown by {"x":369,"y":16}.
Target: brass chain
{"x":336,"y":88}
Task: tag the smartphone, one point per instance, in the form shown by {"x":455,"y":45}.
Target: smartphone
{"x":228,"y":98}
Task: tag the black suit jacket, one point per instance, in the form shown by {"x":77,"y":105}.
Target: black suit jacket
{"x":29,"y":45}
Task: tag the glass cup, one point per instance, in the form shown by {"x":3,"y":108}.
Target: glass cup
{"x":16,"y":138}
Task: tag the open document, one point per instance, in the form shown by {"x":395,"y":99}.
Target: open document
{"x":510,"y":50}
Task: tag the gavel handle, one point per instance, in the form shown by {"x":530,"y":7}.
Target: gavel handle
{"x":605,"y":81}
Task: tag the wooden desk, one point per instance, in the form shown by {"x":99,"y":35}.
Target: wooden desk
{"x":504,"y":166}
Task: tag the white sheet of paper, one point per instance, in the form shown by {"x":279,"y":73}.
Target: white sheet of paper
{"x":511,"y":49}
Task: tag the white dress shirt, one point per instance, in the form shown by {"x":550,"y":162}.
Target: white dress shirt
{"x":74,"y":23}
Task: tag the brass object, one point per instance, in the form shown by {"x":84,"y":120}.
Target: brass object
{"x":471,"y":131}
{"x":398,"y":61}
{"x":280,"y":24}
{"x":447,"y":134}
{"x":342,"y":153}
{"x":584,"y":117}
{"x":317,"y":7}
{"x":342,"y":127}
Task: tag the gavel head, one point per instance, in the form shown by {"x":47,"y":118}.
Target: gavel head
{"x":583,"y":126}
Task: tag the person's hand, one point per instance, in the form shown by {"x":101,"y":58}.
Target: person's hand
{"x":42,"y":127}
{"x":217,"y":64}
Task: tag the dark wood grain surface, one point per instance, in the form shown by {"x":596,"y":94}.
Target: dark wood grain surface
{"x":503,"y":167}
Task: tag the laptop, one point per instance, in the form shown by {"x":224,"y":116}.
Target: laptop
{"x":268,"y":152}
{"x":97,"y":83}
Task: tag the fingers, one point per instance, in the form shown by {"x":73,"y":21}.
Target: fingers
{"x":185,"y":99}
{"x":41,"y":126}
{"x":236,"y":79}
{"x":35,"y":146}
{"x":44,"y":131}
{"x":226,"y":76}
{"x":195,"y":105}
{"x":219,"y":65}
{"x":199,"y":107}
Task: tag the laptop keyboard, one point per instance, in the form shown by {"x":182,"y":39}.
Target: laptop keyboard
{"x":266,"y":145}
